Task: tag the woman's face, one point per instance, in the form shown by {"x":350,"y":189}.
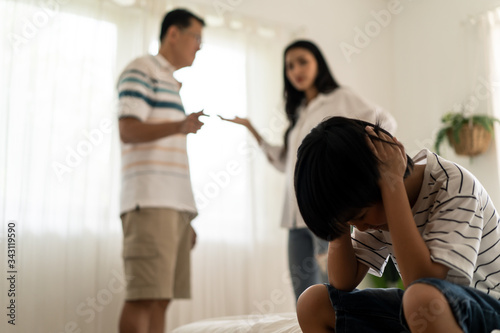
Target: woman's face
{"x":301,"y":68}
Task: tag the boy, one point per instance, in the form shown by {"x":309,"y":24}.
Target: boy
{"x":431,"y":216}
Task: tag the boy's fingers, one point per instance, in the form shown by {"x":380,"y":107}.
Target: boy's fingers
{"x":381,"y":147}
{"x":369,"y":129}
{"x":370,"y":144}
{"x":372,"y":132}
{"x":373,"y":144}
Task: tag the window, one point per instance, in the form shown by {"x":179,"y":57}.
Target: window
{"x":58,"y":113}
{"x":219,"y":152}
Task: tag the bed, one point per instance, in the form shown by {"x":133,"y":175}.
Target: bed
{"x":269,"y":323}
{"x":272,"y":323}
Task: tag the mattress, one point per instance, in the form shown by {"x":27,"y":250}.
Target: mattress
{"x":272,"y":323}
{"x":269,"y":323}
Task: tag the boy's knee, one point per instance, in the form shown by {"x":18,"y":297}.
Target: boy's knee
{"x":314,"y":308}
{"x":422,"y":304}
{"x":309,"y":298}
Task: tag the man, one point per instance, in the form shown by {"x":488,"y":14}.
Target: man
{"x":157,"y":203}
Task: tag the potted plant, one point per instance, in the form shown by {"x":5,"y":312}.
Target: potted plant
{"x":468,"y":135}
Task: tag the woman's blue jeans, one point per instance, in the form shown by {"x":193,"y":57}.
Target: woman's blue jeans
{"x":303,"y":247}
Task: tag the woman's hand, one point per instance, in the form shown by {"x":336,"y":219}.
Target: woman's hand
{"x":391,"y":155}
{"x":245,"y":122}
{"x":237,"y":120}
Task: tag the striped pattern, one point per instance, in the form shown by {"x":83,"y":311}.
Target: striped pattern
{"x":458,"y":222}
{"x":154,"y":174}
{"x":150,"y":101}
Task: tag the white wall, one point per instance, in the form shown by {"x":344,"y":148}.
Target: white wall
{"x":418,"y":66}
{"x":328,"y":23}
{"x":436,"y":66}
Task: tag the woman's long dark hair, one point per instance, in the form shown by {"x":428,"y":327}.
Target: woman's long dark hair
{"x":324,"y":82}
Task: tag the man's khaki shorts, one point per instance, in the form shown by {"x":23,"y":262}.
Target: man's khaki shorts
{"x":156,"y":252}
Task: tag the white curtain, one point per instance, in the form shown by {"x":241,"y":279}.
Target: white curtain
{"x":487,"y":28}
{"x":239,"y":266}
{"x":59,"y":171}
{"x":60,"y":160}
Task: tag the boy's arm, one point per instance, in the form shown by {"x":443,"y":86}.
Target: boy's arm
{"x":345,"y":272}
{"x":413,"y":255}
{"x":411,"y":252}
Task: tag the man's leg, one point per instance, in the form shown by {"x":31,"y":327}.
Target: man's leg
{"x":158,"y":315}
{"x":314,"y":310}
{"x":135,"y":317}
{"x":143,"y":316}
{"x":150,"y":251}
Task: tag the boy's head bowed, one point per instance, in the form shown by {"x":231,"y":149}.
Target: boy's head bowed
{"x":336,"y":175}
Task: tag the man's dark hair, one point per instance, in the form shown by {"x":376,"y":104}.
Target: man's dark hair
{"x":180,"y":18}
{"x":337,"y":174}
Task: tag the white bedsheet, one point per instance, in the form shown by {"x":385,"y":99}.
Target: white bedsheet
{"x":270,"y":323}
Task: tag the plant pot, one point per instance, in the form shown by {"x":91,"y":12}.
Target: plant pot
{"x":473,"y":140}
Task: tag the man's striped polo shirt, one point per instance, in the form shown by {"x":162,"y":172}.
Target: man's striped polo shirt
{"x":156,"y":173}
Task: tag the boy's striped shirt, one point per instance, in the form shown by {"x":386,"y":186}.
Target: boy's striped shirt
{"x":457,"y":221}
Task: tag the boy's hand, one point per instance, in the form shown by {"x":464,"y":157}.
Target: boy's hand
{"x":391,"y":154}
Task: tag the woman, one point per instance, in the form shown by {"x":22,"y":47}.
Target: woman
{"x":311,"y":95}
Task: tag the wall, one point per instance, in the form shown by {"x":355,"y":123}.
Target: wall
{"x":328,"y":23}
{"x":436,"y":65}
{"x":418,"y":63}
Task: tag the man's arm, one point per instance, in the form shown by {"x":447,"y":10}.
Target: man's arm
{"x":133,"y":130}
{"x":345,"y":272}
{"x":412,"y":254}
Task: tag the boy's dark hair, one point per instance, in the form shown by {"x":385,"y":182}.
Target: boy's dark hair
{"x":180,"y":18}
{"x":336,"y":175}
{"x":324,"y":82}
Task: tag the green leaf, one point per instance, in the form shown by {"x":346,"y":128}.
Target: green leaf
{"x":455,"y":120}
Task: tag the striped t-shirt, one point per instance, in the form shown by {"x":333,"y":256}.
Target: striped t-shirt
{"x":457,"y":221}
{"x":156,"y":173}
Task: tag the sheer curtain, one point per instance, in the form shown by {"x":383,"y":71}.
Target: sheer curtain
{"x":488,"y":33}
{"x":239,"y":264}
{"x":59,"y":154}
